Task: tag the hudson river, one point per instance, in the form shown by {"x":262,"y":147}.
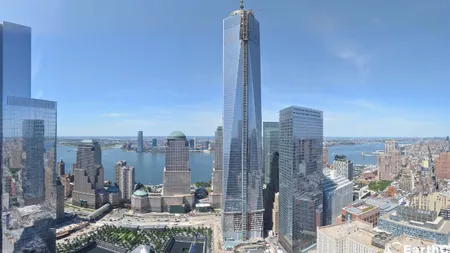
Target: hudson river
{"x":149,"y":166}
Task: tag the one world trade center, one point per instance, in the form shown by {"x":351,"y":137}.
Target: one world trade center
{"x":242,"y":217}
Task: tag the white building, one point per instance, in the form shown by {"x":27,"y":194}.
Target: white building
{"x":124,"y":178}
{"x":353,"y":237}
{"x":337,"y":194}
{"x":343,"y":167}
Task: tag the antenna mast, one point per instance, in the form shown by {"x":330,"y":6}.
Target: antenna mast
{"x":242,"y":4}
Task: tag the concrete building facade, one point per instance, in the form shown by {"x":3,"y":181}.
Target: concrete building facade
{"x":124,"y":179}
{"x":430,"y":201}
{"x":443,"y":166}
{"x":389,"y":163}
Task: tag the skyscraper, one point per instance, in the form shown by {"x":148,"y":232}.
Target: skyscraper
{"x":59,"y":201}
{"x":154,"y":143}
{"x":271,"y":135}
{"x":28,"y":134}
{"x":177,"y":174}
{"x":389,"y":163}
{"x":301,"y":160}
{"x":124,"y":178}
{"x":140,"y":142}
{"x":89,"y":175}
{"x":61,"y":168}
{"x":242,"y":217}
{"x":216,"y":196}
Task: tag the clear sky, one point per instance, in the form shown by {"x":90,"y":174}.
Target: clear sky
{"x":376,"y":68}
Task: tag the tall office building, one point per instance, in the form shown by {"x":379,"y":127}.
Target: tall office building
{"x":28,"y":134}
{"x":124,"y":179}
{"x":61,"y":168}
{"x":89,"y":175}
{"x":343,"y":167}
{"x":154,"y":143}
{"x":271,"y":134}
{"x":140,"y":142}
{"x":59,"y":201}
{"x":389,"y":163}
{"x":177,"y":174}
{"x":195,"y":142}
{"x":301,"y":160}
{"x":216,"y":195}
{"x":242,"y":217}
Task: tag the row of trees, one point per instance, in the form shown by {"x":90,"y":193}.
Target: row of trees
{"x":129,"y":239}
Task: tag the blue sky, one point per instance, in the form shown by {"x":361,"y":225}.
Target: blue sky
{"x":376,"y":68}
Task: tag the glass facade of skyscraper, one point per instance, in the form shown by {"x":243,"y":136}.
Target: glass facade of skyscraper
{"x":271,"y":135}
{"x":140,"y":142}
{"x":29,"y":149}
{"x":15,"y":57}
{"x":300,"y":162}
{"x":242,"y":146}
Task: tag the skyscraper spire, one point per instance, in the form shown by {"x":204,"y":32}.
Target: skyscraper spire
{"x":242,"y":4}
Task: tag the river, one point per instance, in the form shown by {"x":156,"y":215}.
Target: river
{"x":149,"y":166}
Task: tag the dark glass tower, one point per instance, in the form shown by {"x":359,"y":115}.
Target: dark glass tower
{"x":242,"y":217}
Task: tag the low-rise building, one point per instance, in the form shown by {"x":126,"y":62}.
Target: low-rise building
{"x":386,"y":205}
{"x":362,"y":211}
{"x":416,"y":223}
{"x":350,"y":237}
{"x":430,"y":201}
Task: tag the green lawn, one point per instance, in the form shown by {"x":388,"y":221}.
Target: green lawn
{"x":380,"y":185}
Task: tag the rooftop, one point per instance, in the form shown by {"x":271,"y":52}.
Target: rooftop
{"x":398,"y":244}
{"x":140,"y":193}
{"x":356,"y":230}
{"x":176,"y":135}
{"x":359,"y":208}
{"x":444,"y":228}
